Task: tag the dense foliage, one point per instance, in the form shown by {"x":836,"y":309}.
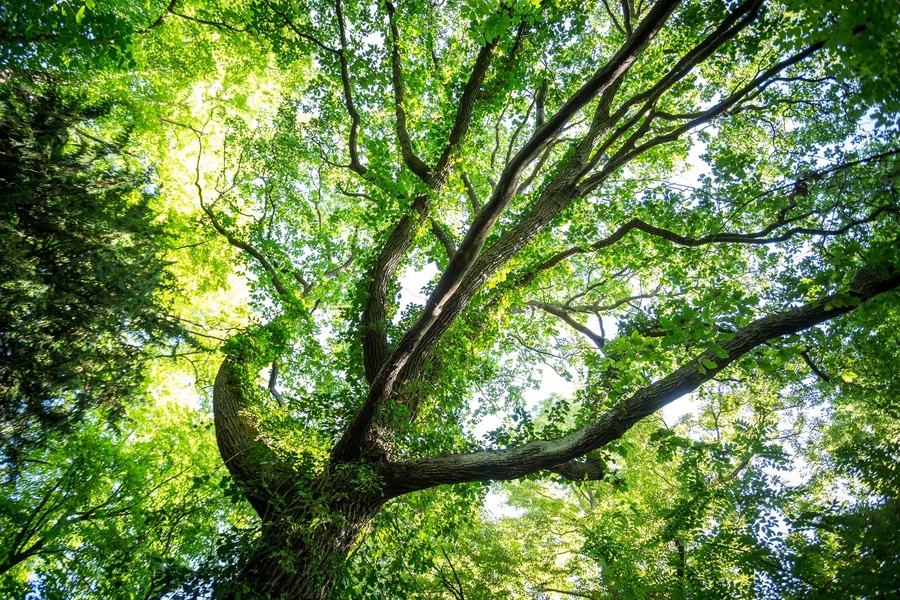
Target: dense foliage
{"x":82,"y":263}
{"x":392,"y":227}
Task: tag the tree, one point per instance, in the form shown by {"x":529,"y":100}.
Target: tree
{"x":528,"y":152}
{"x":128,"y":512}
{"x":656,"y":199}
{"x":106,"y":486}
{"x":82,"y":271}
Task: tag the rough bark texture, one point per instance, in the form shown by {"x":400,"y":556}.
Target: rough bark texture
{"x":308,"y":524}
{"x":252,"y":464}
{"x":300,"y":552}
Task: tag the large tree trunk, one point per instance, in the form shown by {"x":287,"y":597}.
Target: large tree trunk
{"x":309,"y":523}
{"x":300,"y":553}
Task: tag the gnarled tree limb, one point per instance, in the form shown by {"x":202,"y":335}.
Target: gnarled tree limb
{"x":249,"y":460}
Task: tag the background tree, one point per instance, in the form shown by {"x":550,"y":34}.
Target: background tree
{"x":82,"y":271}
{"x":105,"y":484}
{"x":136,"y":512}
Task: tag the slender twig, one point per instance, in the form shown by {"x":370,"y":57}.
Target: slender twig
{"x":812,"y":366}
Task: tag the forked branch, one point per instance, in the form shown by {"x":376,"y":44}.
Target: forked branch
{"x":561,"y":313}
{"x":349,"y":447}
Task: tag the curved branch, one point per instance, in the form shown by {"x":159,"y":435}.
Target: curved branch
{"x":415,"y":164}
{"x":812,"y":366}
{"x":374,"y":317}
{"x":444,"y":237}
{"x":755,"y":238}
{"x":250,"y":250}
{"x":217,"y":24}
{"x":519,"y":461}
{"x":540,"y":103}
{"x":375,"y":345}
{"x":355,"y":165}
{"x":560,"y":313}
{"x":590,"y":468}
{"x":239,"y":244}
{"x":273,"y":384}
{"x":562,"y":191}
{"x":162,"y":18}
{"x":728,"y":29}
{"x":250,"y":461}
{"x":613,"y":19}
{"x":474,"y":202}
{"x":631,"y":148}
{"x":300,"y":34}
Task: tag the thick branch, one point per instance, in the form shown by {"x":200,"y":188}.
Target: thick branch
{"x":519,"y":461}
{"x":273,"y":384}
{"x":590,"y":468}
{"x":626,"y":15}
{"x":605,"y":77}
{"x":350,"y":445}
{"x":16,"y":558}
{"x":252,"y":464}
{"x":540,"y":103}
{"x":374,"y":317}
{"x":562,"y":191}
{"x":631,"y":149}
{"x":375,"y":346}
{"x":727,"y":30}
{"x":816,"y":370}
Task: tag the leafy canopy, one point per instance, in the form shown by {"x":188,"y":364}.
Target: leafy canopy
{"x":652,"y":199}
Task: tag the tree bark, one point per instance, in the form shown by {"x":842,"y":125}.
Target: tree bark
{"x":300,"y":552}
{"x":309,"y":522}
